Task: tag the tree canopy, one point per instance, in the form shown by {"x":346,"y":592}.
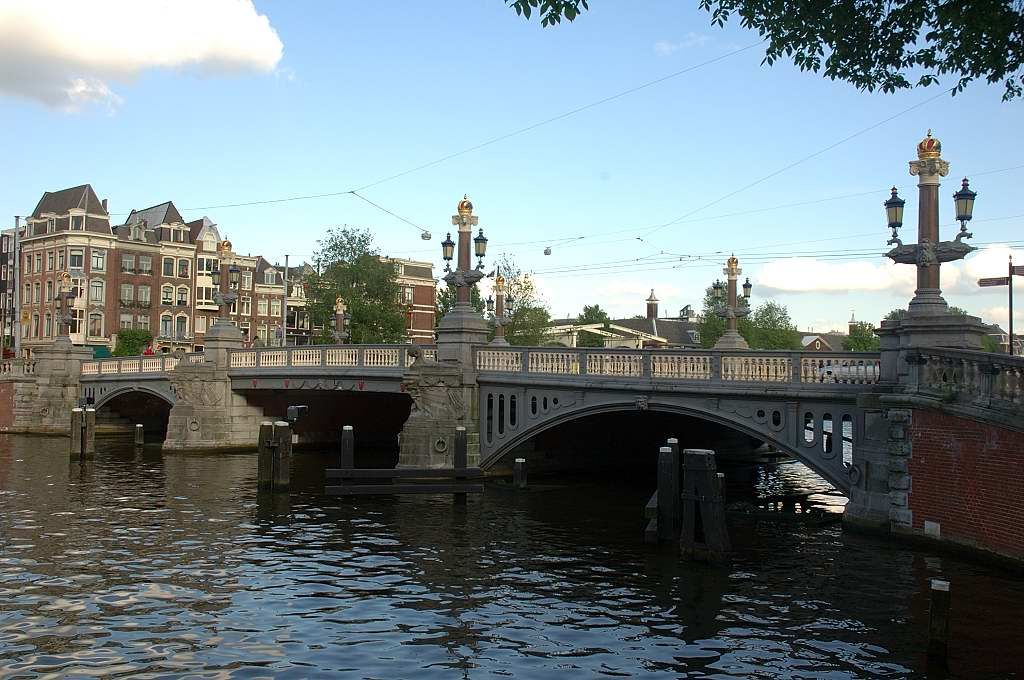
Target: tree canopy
{"x":528,"y":316}
{"x":861,"y":338}
{"x":591,"y":314}
{"x":883,"y":45}
{"x":348,"y":266}
{"x":768,"y":326}
{"x":131,"y":342}
{"x":446,"y":300}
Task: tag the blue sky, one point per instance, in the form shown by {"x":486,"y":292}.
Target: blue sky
{"x":357,"y":92}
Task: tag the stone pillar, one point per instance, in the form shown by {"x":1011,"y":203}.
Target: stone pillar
{"x":870,"y":495}
{"x":444,"y":396}
{"x":41,"y":399}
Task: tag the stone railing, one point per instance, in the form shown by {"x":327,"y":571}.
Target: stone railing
{"x":17,"y":367}
{"x":969,"y":377}
{"x":852,"y":368}
{"x":155,"y":364}
{"x":331,"y":356}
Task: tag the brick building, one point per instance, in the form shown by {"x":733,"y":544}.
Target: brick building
{"x":8,"y":311}
{"x":418,"y":295}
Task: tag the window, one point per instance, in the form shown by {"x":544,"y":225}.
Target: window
{"x":168,"y":266}
{"x":35,"y":325}
{"x":246,"y":280}
{"x":142,"y":322}
{"x":181,"y":327}
{"x":49,"y":261}
{"x":205,"y":265}
{"x":262,"y":307}
{"x":200,"y":324}
{"x":95,"y":294}
{"x":183,"y":269}
{"x":275,"y":308}
{"x":99,"y":260}
{"x":77,"y":316}
{"x":264,"y":333}
{"x":204,"y":295}
{"x":49,"y":291}
{"x":126,"y":321}
{"x":167,"y":295}
{"x":246,"y":306}
{"x":244,"y":327}
{"x":127,"y":293}
{"x":95,"y":325}
{"x":77,"y":222}
{"x":136,"y":233}
{"x":39,"y":264}
{"x":60,"y":259}
{"x":270,"y":277}
{"x":145,"y":264}
{"x":48,"y":325}
{"x":35,"y":292}
{"x":27,"y":297}
{"x":144,"y":295}
{"x":165,"y":326}
{"x":77,"y":260}
{"x":128,"y":264}
{"x":51,"y":225}
{"x":182,"y":296}
{"x":28,"y":263}
{"x":234,"y":307}
{"x":79,"y":285}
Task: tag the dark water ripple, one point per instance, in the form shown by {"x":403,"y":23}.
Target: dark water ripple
{"x":169,"y":566}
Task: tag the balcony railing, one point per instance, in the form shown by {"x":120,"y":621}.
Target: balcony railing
{"x":706,"y":366}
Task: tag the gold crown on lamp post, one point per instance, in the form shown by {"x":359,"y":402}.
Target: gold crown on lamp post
{"x":465,"y":207}
{"x":224,"y":246}
{"x":929,"y":147}
{"x":733,"y":262}
{"x":499,"y":283}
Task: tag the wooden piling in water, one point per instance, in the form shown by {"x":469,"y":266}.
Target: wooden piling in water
{"x":282,"y":455}
{"x":140,"y":435}
{"x":938,"y":621}
{"x":704,"y":533}
{"x":460,"y":459}
{"x":668,"y":494}
{"x":348,"y":448}
{"x":77,"y":426}
{"x":519,"y":473}
{"x":265,"y":460}
{"x":89,"y":443}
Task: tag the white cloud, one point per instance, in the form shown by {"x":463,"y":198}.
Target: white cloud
{"x":63,"y":53}
{"x":666,"y":48}
{"x":798,"y":275}
{"x":983,"y":264}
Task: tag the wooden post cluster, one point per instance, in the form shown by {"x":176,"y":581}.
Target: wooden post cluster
{"x":274,"y":456}
{"x":83,"y":433}
{"x":668,"y":494}
{"x":459,"y":461}
{"x":140,"y":435}
{"x":938,"y":621}
{"x":704,"y":533}
{"x":519,"y":473}
{"x":348,"y":448}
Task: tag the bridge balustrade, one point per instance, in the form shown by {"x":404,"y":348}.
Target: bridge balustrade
{"x":135,"y":365}
{"x":17,"y":367}
{"x":853,"y":368}
{"x":366,"y":356}
{"x":979,"y":378}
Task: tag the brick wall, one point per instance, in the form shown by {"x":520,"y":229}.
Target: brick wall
{"x":969,"y":478}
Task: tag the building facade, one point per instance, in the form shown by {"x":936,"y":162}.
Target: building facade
{"x":8,"y":311}
{"x":418,"y":295}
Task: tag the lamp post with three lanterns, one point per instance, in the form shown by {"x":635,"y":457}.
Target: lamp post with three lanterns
{"x":731,"y":307}
{"x":463,"y":326}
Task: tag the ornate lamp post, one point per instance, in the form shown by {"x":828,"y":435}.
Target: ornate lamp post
{"x":225,"y":299}
{"x":731,"y":307}
{"x":65,"y":298}
{"x":341,"y":321}
{"x":929,"y":252}
{"x":463,"y":326}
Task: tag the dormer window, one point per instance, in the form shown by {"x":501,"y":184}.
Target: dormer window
{"x":270,"y":277}
{"x":136,"y":233}
{"x":77,"y":223}
{"x":51,"y":225}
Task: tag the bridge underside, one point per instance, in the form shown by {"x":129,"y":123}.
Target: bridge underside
{"x":822,"y":433}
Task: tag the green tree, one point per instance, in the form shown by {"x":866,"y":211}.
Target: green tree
{"x":446,"y":300}
{"x":132,"y":341}
{"x":528,"y":316}
{"x":862,"y":338}
{"x":896,"y":315}
{"x":348,"y":266}
{"x":591,"y":314}
{"x":883,"y":45}
{"x":771,"y":328}
{"x":990,"y":344}
{"x":712,"y":326}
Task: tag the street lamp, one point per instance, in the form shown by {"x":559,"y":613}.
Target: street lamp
{"x":732,"y":308}
{"x":223,"y":299}
{"x":480,"y":248}
{"x":746,"y":289}
{"x":929,"y":252}
{"x":717,"y":290}
{"x":341,"y":319}
{"x":501,"y":305}
{"x":448,"y":251}
{"x":65,"y":295}
{"x":463,"y":278}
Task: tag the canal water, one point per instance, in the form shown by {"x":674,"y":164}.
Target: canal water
{"x":169,"y":565}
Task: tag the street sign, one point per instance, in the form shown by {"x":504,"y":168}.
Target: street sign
{"x":994,"y":281}
{"x":1018,"y":270}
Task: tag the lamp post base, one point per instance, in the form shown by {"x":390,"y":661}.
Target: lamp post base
{"x":731,"y":340}
{"x":457,"y":332}
{"x":927,"y":302}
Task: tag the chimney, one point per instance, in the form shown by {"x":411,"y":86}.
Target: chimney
{"x":104,"y":203}
{"x":652,"y":306}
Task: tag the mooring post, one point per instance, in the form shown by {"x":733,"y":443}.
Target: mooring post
{"x":704,"y":533}
{"x":140,"y":435}
{"x":720,"y":479}
{"x":77,"y":423}
{"x":938,"y":620}
{"x":265,"y":460}
{"x":668,"y":494}
{"x":519,"y":473}
{"x":460,"y":459}
{"x":89,"y":450}
{"x":348,"y":448}
{"x":282,"y":455}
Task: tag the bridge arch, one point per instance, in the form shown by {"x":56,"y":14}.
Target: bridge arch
{"x":103,"y":396}
{"x":769,"y":423}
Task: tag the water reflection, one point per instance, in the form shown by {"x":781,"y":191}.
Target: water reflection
{"x":173,"y":565}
